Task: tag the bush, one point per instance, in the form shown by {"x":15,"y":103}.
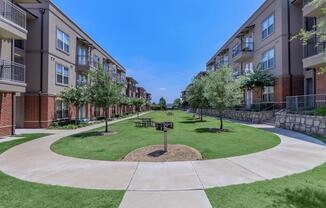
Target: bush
{"x":321,"y":111}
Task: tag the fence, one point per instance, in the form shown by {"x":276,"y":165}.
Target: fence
{"x":13,"y":13}
{"x":305,"y":102}
{"x":11,"y":71}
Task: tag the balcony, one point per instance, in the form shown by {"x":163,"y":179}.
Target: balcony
{"x":243,"y":52}
{"x":12,"y":76}
{"x":314,"y":54}
{"x":84,"y":63}
{"x":12,"y":21}
{"x":312,"y":9}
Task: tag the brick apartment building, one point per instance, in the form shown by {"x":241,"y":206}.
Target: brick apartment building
{"x":263,"y":41}
{"x":37,"y":65}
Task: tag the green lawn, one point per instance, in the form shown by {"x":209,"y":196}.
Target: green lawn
{"x":240,"y":141}
{"x":17,"y":193}
{"x":305,"y":190}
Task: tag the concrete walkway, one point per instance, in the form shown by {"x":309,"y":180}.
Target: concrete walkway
{"x":173,"y":184}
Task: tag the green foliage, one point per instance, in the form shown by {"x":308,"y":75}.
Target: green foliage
{"x":104,"y":91}
{"x":222,"y":90}
{"x":77,"y":95}
{"x":258,"y":78}
{"x":195,"y":94}
{"x":321,"y":111}
{"x":177,"y":103}
{"x":162,"y":104}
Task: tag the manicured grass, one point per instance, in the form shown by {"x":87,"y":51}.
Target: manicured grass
{"x":305,"y":190}
{"x":17,"y":193}
{"x":188,"y":131}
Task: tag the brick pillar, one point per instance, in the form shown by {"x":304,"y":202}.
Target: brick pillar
{"x":32,"y":111}
{"x":320,"y":83}
{"x":6,"y":113}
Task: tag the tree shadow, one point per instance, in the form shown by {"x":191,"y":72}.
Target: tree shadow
{"x":93,"y":134}
{"x":299,"y":198}
{"x":212,"y":130}
{"x":192,"y":121}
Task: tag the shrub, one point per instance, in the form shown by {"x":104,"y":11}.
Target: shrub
{"x":321,"y":111}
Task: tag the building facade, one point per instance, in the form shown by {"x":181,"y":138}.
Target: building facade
{"x":263,"y":42}
{"x":14,"y":26}
{"x":43,"y":52}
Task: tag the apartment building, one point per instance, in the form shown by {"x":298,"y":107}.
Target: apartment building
{"x":14,"y":23}
{"x":131,"y":89}
{"x":314,"y":56}
{"x":263,"y":42}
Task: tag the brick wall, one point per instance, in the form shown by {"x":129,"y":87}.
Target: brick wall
{"x":48,"y":111}
{"x":6,"y":113}
{"x":321,"y":83}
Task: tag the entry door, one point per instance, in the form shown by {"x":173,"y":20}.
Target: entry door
{"x":309,"y":100}
{"x":82,"y":112}
{"x":248,"y":99}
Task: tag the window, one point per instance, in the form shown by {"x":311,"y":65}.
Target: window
{"x":82,"y":55}
{"x":62,"y":110}
{"x":249,"y":67}
{"x":19,"y":44}
{"x":268,"y":94}
{"x":62,"y":74}
{"x":81,"y":79}
{"x":268,"y":27}
{"x":226,"y":60}
{"x":235,"y":50}
{"x":268,"y":59}
{"x":63,"y":41}
{"x":97,"y":112}
{"x":96,"y":60}
{"x":249,"y":42}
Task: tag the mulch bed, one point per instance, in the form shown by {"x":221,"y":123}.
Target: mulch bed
{"x":155,"y":153}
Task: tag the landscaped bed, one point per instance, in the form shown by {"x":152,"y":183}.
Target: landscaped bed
{"x":238,"y":140}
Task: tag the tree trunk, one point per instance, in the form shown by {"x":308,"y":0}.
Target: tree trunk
{"x":106,"y":120}
{"x":77,"y":115}
{"x":221,"y":121}
{"x":201,"y":114}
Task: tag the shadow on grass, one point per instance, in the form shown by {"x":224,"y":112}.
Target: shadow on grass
{"x":212,"y":130}
{"x":88,"y":134}
{"x":299,"y":198}
{"x":192,"y":121}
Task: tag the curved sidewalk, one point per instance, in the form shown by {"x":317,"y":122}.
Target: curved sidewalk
{"x":35,"y":162}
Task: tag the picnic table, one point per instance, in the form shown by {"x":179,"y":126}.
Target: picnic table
{"x":144,"y":123}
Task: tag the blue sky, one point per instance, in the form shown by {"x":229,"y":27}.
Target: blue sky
{"x":162,"y":43}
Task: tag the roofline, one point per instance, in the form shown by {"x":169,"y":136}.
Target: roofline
{"x":75,"y":24}
{"x":265,"y":4}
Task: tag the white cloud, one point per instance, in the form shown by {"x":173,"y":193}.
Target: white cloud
{"x":162,"y":89}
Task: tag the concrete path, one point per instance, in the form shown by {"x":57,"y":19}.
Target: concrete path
{"x":157,"y":184}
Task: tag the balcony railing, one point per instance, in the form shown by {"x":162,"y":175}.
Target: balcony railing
{"x":306,"y":2}
{"x":13,"y":13}
{"x":305,"y":103}
{"x":245,"y":47}
{"x":11,"y":71}
{"x":313,"y":47}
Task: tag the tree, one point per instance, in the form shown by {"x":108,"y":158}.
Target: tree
{"x":195,"y":94}
{"x":123,"y":102}
{"x":104,"y":91}
{"x":257,"y":79}
{"x":177,"y":103}
{"x":137,"y":103}
{"x":76,"y":96}
{"x":318,"y":31}
{"x":162,"y":104}
{"x":222,"y":90}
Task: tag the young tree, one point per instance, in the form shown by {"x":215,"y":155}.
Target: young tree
{"x":257,"y":79}
{"x":104,"y":91}
{"x":222,"y":90}
{"x":137,"y":103}
{"x":123,"y":102}
{"x":195,"y":95}
{"x":177,"y":103}
{"x":162,"y":104}
{"x":76,"y":96}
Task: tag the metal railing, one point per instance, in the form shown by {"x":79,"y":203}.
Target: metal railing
{"x":13,"y":13}
{"x":306,"y":2}
{"x":12,"y":71}
{"x":261,"y":106}
{"x":305,"y":103}
{"x":244,"y":47}
{"x":314,"y":47}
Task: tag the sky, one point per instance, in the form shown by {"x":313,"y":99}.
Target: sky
{"x":163,"y":44}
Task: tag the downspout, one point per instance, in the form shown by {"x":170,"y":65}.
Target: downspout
{"x":13,"y":122}
{"x":42,"y":11}
{"x":289,"y":48}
